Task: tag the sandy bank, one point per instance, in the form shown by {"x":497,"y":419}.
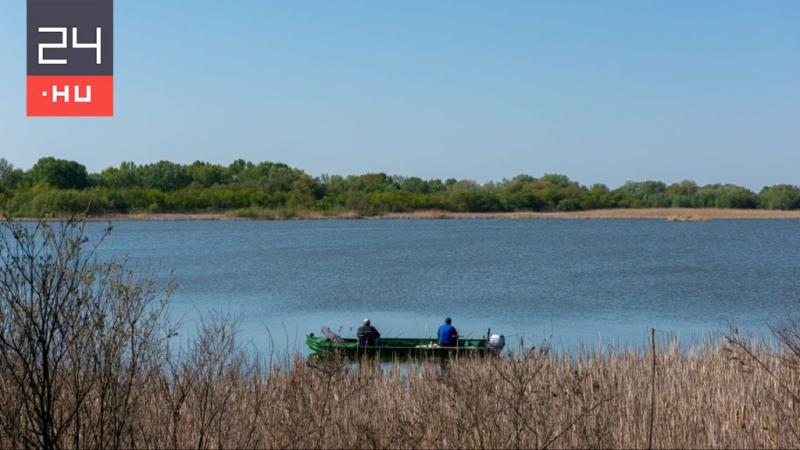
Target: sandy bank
{"x":676,"y":214}
{"x":672,"y":214}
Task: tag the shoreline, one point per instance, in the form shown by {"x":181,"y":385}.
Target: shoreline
{"x":669,"y":214}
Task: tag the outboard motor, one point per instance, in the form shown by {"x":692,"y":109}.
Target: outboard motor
{"x":497,"y":342}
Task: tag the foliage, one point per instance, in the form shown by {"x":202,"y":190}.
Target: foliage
{"x":59,"y":173}
{"x":782,"y":196}
{"x":76,"y":338}
{"x":55,"y":186}
{"x":10,"y":177}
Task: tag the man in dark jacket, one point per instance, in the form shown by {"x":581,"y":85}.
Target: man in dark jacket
{"x":368,"y":335}
{"x":448,"y":335}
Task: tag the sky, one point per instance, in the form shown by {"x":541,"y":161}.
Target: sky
{"x":602,"y":91}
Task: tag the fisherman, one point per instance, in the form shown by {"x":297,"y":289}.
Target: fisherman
{"x":367,"y":335}
{"x":448,"y":335}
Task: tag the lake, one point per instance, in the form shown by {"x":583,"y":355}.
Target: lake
{"x":570,"y":281}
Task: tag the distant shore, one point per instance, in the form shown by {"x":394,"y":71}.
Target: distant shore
{"x":670,"y":214}
{"x":676,"y":214}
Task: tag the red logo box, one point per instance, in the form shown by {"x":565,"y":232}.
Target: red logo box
{"x":62,"y":95}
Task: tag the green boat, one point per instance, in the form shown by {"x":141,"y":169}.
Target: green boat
{"x":401,"y":348}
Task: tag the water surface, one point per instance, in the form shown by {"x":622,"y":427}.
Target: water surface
{"x":571,"y":281}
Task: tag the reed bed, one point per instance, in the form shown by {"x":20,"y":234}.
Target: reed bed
{"x":219,"y":396}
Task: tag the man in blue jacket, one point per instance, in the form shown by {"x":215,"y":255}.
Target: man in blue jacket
{"x":448,"y":336}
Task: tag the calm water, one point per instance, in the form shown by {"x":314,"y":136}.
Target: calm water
{"x":573,"y":281}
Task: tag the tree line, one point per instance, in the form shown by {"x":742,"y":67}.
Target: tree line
{"x":58,"y":186}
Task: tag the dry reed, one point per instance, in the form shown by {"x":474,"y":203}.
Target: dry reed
{"x":216,"y":395}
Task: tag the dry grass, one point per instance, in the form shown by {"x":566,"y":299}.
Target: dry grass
{"x":217,"y":396}
{"x":671,"y":214}
{"x":674,"y":214}
{"x":289,"y":214}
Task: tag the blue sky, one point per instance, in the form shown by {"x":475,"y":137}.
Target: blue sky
{"x":603,"y":91}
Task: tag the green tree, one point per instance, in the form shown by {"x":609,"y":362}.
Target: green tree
{"x":276,"y":177}
{"x":59,"y":173}
{"x":165,"y":176}
{"x":642,"y":194}
{"x":127,"y":175}
{"x":207,"y":174}
{"x":10,"y":176}
{"x":780,"y":196}
{"x":413,"y":184}
{"x":725,"y":196}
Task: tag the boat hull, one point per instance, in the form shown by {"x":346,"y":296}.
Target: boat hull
{"x":397,"y":348}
